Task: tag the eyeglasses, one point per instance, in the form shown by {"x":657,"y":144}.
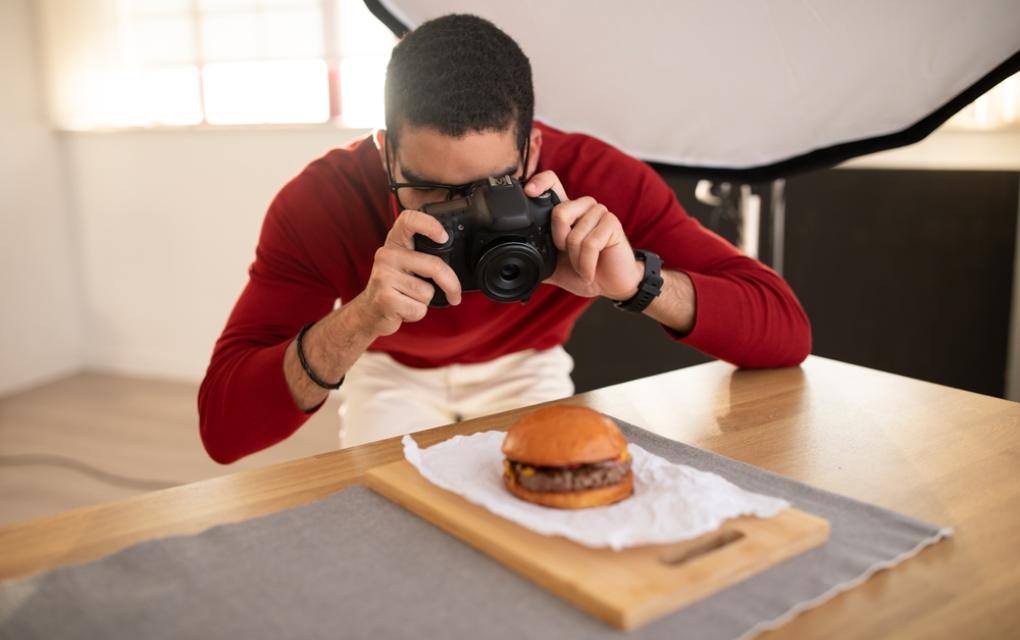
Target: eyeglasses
{"x":412,"y":195}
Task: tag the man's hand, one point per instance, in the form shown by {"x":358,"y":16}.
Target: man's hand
{"x":395,"y":293}
{"x":595,"y":257}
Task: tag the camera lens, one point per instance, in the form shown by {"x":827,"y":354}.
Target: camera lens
{"x":509,"y":271}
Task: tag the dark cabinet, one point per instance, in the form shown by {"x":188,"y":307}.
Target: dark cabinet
{"x":906,"y":271}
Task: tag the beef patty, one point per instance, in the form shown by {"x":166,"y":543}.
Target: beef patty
{"x":588,"y":476}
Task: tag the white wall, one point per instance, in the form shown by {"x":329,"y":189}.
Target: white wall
{"x":168,"y":225}
{"x":40,"y":332}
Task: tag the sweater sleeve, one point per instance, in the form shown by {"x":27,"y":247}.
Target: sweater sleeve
{"x":244,"y":402}
{"x":746,"y":314}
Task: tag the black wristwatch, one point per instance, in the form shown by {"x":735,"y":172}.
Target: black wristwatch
{"x":651,"y":283}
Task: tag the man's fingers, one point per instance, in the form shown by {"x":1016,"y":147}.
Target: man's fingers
{"x":578,"y":237}
{"x":565,"y":215}
{"x":591,"y":249}
{"x":442,"y":275}
{"x":411,"y":222}
{"x":542,"y":182}
{"x":427,"y":265}
{"x":404,"y":306}
{"x":414,"y":287}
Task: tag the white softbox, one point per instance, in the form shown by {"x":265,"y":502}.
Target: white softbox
{"x":749,"y":90}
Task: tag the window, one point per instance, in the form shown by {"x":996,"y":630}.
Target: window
{"x":999,"y":108}
{"x":129,"y":63}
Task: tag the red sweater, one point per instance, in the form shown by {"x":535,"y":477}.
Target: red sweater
{"x":323,"y":228}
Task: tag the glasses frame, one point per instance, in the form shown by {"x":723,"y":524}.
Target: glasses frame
{"x":452,"y":190}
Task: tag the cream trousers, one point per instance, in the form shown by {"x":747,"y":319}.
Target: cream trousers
{"x":381,"y":398}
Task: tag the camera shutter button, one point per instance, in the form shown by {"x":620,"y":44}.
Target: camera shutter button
{"x":428,"y":245}
{"x":449,"y":239}
{"x":549,"y":197}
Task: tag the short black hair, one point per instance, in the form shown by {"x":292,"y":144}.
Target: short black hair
{"x":458,"y":74}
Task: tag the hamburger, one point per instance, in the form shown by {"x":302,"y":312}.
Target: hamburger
{"x":567,"y":457}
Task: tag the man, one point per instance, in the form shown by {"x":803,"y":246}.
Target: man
{"x":459,"y":106}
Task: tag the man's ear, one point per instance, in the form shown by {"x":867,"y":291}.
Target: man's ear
{"x":379,"y":138}
{"x":534,"y":151}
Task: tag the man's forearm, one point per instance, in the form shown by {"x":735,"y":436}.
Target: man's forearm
{"x":334,"y":344}
{"x":676,"y":306}
{"x":331,"y":347}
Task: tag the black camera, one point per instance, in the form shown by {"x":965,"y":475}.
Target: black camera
{"x":500,"y":240}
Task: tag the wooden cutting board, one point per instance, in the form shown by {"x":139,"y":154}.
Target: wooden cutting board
{"x":627,"y":588}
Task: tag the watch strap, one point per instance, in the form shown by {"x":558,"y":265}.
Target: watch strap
{"x":650,"y":286}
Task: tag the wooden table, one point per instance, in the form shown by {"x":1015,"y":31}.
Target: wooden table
{"x":940,"y":454}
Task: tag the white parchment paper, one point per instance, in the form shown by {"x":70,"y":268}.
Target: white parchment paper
{"x":671,"y":502}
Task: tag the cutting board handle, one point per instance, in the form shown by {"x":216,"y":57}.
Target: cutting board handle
{"x":686,"y":553}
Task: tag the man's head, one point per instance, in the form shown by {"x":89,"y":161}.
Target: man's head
{"x":459,"y":105}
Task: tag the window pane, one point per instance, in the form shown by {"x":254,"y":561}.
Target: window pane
{"x":156,"y":6}
{"x":362,"y":33}
{"x":170,"y":95}
{"x":361,"y":90}
{"x":365,"y":45}
{"x":227,"y":5}
{"x":261,"y":35}
{"x":143,"y":97}
{"x":250,"y":5}
{"x":231,"y":36}
{"x":291,"y":3}
{"x":263,"y":92}
{"x":156,"y":40}
{"x":291,"y":33}
{"x":113,"y":101}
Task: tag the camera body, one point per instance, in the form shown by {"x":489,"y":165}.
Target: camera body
{"x":500,"y":240}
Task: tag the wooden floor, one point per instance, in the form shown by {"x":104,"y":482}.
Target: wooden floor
{"x":95,"y":437}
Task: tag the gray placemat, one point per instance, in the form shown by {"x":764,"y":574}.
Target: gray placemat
{"x":354,"y":565}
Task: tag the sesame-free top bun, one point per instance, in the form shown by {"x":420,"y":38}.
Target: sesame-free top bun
{"x":563,"y":435}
